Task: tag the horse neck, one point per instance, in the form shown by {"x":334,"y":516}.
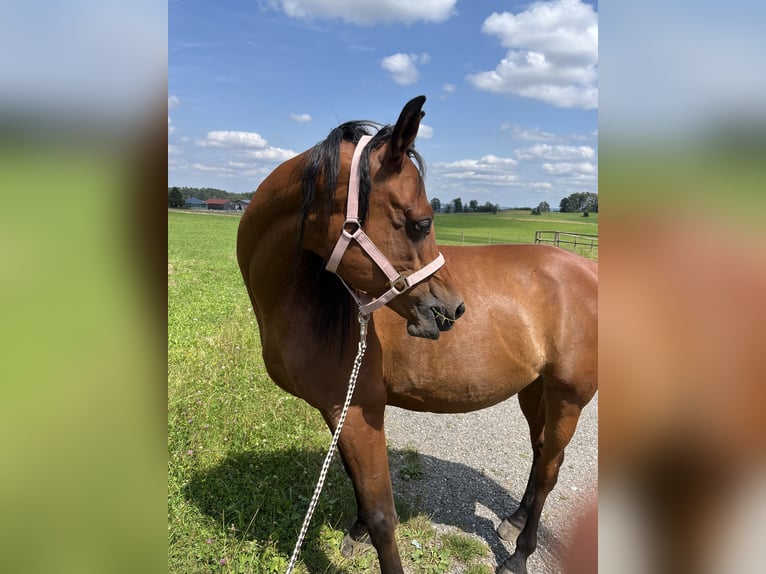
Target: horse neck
{"x":272,"y":232}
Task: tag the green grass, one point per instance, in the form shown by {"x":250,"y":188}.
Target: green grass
{"x":513,"y":226}
{"x":243,"y":456}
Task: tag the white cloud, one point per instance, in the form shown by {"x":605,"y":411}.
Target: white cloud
{"x":197,"y":166}
{"x":367,"y":12}
{"x":489,"y":170}
{"x":556,"y":152}
{"x":552,"y":56}
{"x":272,"y":154}
{"x":589,"y":136}
{"x":569,"y":168}
{"x":402,"y":67}
{"x":425,"y":132}
{"x":173,"y":101}
{"x":449,"y":88}
{"x":488,"y":162}
{"x":233,"y":139}
{"x":171,"y":128}
{"x":300,"y":118}
{"x":532,"y":135}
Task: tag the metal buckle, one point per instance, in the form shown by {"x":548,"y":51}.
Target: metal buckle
{"x":354,"y":224}
{"x":400,"y":284}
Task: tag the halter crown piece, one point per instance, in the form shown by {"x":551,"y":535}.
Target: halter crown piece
{"x":352,"y":229}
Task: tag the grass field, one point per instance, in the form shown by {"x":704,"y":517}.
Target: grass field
{"x":513,"y":226}
{"x":243,"y":456}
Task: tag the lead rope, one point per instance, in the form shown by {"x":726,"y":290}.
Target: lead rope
{"x":363,"y":319}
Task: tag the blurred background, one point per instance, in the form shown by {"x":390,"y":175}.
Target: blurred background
{"x":683,"y":276}
{"x":82,"y":327}
{"x":682,"y":134}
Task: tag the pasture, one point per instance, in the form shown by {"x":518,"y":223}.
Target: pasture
{"x":243,"y":456}
{"x":512,"y":226}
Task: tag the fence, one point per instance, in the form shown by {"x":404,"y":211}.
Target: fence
{"x":582,"y":243}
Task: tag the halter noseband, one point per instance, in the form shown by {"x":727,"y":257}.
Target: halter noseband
{"x":352,"y":229}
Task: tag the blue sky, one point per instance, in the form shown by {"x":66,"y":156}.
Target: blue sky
{"x":512,"y":88}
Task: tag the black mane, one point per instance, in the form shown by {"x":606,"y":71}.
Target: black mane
{"x":322,"y":167}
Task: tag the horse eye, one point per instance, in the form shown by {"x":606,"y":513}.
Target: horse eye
{"x":423,"y":226}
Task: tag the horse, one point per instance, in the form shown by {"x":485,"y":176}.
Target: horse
{"x":454,"y":329}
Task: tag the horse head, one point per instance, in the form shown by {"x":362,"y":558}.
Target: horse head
{"x":387,"y":251}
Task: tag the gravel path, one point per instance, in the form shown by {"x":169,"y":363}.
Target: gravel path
{"x":475,"y":468}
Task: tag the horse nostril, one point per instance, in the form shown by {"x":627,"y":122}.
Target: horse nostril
{"x":459,"y":311}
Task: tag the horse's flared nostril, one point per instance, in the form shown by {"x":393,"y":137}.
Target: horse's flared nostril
{"x":459,"y":311}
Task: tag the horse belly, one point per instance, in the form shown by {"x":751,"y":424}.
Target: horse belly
{"x":444,"y":382}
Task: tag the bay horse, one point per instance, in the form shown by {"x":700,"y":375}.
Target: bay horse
{"x":490,"y":323}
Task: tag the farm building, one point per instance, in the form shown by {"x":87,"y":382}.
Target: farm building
{"x":242,"y":203}
{"x":194,"y":203}
{"x":222,"y":204}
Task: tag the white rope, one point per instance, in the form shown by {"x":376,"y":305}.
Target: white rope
{"x":363,"y":319}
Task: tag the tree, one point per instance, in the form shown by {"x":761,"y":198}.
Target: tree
{"x":489,"y":207}
{"x":473,"y":204}
{"x":436,"y":205}
{"x":458,"y":205}
{"x":580,"y":201}
{"x":175,"y":198}
{"x":542,"y":207}
{"x":448,"y":209}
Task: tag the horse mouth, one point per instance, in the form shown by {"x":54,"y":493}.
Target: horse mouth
{"x":443,"y":323}
{"x":430,"y":321}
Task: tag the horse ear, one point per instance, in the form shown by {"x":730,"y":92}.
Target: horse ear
{"x":405,"y":132}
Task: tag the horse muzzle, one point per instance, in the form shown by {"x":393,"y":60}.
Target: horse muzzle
{"x":431,"y":320}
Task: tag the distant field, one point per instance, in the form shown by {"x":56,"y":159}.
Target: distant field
{"x":510,"y":227}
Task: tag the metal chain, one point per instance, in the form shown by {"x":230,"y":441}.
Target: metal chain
{"x":363,"y":319}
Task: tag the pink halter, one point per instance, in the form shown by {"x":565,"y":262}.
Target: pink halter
{"x":399,"y":282}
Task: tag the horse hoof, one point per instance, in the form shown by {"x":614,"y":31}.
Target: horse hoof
{"x":508,"y":531}
{"x":514,"y":565}
{"x":351,"y":548}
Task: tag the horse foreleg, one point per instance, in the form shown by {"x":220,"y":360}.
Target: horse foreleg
{"x":363,"y":449}
{"x":357,"y":539}
{"x":562,"y":411}
{"x":533,"y":407}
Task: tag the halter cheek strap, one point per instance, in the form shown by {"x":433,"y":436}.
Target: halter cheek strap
{"x":352,"y":230}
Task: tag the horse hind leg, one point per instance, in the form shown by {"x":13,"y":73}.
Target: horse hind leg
{"x":562,"y":411}
{"x":533,"y":407}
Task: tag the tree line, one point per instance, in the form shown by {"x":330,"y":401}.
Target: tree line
{"x":177,"y":196}
{"x":580,"y":202}
{"x":457,"y":206}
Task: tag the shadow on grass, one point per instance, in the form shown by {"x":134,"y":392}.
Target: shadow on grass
{"x":263,"y":497}
{"x":449,"y":493}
